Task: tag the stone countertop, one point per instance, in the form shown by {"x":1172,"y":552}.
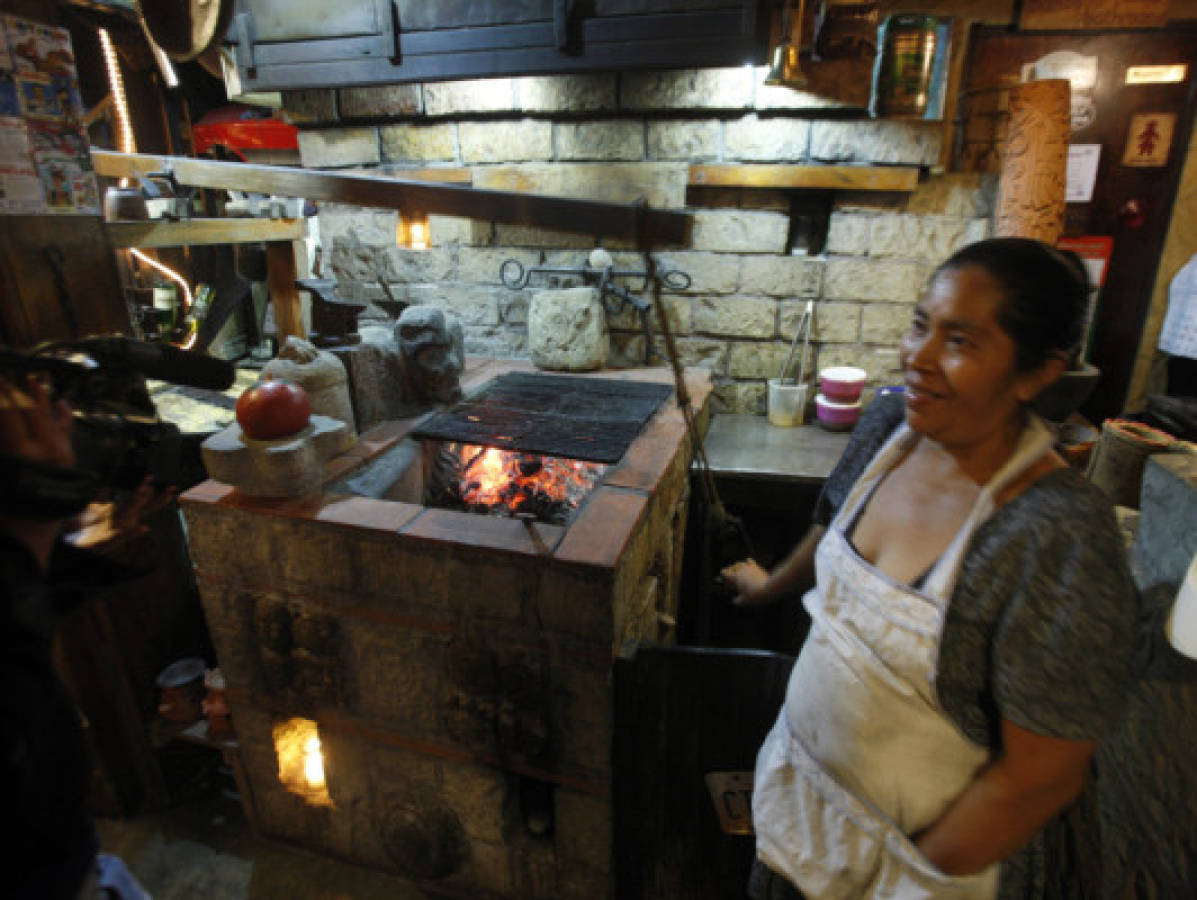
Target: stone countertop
{"x":747,"y":446}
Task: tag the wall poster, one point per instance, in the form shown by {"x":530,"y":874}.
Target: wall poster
{"x":45,"y":164}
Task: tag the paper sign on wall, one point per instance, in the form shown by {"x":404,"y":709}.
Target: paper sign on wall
{"x":1148,"y":139}
{"x":1082,"y":172}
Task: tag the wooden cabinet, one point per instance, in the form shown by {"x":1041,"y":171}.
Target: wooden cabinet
{"x":284,"y":44}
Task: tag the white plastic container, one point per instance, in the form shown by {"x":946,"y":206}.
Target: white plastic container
{"x":787,"y":403}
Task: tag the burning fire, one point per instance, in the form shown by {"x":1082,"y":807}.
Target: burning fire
{"x":301,"y":760}
{"x":511,"y":480}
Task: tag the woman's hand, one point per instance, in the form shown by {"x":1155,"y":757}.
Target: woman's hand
{"x":105,"y":524}
{"x":748,"y":580}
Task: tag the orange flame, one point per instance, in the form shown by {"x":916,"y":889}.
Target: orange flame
{"x":493,"y":477}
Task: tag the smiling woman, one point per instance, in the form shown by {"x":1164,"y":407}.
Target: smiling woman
{"x":970,"y":625}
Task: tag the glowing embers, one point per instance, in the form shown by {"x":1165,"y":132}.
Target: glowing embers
{"x":505,"y":483}
{"x":301,"y":760}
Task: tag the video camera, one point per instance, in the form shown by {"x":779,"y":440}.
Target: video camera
{"x":117,"y":436}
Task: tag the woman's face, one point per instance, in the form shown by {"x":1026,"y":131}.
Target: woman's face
{"x":958,"y":362}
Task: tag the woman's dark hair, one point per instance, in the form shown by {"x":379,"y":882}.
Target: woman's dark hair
{"x":1046,"y":292}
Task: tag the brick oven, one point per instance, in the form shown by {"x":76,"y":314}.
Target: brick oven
{"x":428,"y":690}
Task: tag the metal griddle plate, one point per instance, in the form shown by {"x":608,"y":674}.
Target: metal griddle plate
{"x":593,"y":419}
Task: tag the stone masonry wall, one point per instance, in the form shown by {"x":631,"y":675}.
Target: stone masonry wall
{"x":622,"y":136}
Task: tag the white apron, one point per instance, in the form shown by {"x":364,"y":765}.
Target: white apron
{"x":862,"y":754}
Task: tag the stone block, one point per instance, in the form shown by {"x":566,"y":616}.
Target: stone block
{"x":566,"y":93}
{"x":740,"y":231}
{"x":769,"y":97}
{"x":861,"y":279}
{"x":848,"y":234}
{"x":497,"y":342}
{"x":513,"y":307}
{"x":285,"y":467}
{"x":458,"y":230}
{"x":661,"y":184}
{"x":414,"y":266}
{"x":579,"y":882}
{"x":833,"y":323}
{"x":481,"y":265}
{"x":906,"y":143}
{"x":477,"y":95}
{"x":933,"y":238}
{"x":676,"y":308}
{"x":781,"y":276}
{"x":399,"y":676}
{"x":880,"y":362}
{"x":567,"y":330}
{"x":508,"y":235}
{"x":418,"y":143}
{"x":338,"y":147}
{"x":884,"y":323}
{"x":757,"y":359}
{"x":613,"y":140}
{"x":740,"y":397}
{"x":477,"y":796}
{"x":699,"y":353}
{"x":710,"y":273}
{"x":377,"y":100}
{"x":735,"y":317}
{"x":472,"y":304}
{"x":729,"y":88}
{"x":318,"y":106}
{"x":575,"y":601}
{"x":494,"y":142}
{"x":766,"y":140}
{"x":583,"y":828}
{"x":368,"y":226}
{"x":685,"y":140}
{"x":351,"y":260}
{"x":627,"y":350}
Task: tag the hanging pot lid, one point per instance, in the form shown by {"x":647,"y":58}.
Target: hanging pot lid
{"x":185,"y":29}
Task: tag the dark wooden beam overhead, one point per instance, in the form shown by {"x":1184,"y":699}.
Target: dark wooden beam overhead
{"x":620,"y":220}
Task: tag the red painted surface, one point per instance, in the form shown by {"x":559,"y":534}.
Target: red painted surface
{"x":240,"y":128}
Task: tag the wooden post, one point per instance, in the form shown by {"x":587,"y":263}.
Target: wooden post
{"x":280,"y":279}
{"x":1034,"y":162}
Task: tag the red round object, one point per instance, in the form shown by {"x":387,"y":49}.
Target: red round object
{"x":272,"y":409}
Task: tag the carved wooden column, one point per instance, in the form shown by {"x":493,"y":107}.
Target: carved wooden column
{"x":1031,"y":191}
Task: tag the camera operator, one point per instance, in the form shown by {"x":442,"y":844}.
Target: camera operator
{"x":44,"y":763}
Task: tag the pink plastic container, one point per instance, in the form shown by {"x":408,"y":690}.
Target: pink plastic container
{"x":842,"y":384}
{"x":836,"y":416}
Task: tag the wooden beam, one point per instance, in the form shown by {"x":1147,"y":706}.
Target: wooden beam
{"x":280,"y":280}
{"x":162,"y":233}
{"x":622,"y":220}
{"x":842,"y":178}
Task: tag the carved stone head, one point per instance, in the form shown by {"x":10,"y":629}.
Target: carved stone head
{"x":432,"y":347}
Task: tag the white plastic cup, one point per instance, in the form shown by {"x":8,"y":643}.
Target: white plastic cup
{"x":787,"y":403}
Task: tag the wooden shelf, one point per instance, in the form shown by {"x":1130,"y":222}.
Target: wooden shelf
{"x":165,"y":233}
{"x":789,"y":177}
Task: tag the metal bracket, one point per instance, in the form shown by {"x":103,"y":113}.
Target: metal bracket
{"x":563,"y":11}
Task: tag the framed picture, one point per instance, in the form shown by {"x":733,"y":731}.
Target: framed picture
{"x":1148,"y":139}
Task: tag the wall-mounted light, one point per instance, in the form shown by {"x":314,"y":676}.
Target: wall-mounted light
{"x":411,"y":231}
